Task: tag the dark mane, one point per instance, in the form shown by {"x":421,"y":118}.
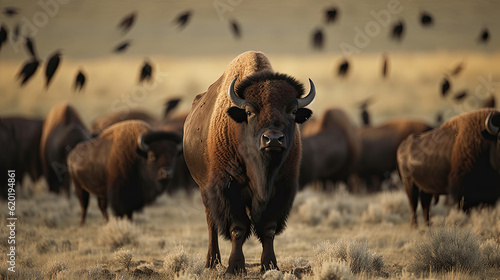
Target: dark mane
{"x":263,"y":76}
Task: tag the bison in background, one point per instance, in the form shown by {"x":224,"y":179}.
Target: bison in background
{"x":128,"y":164}
{"x":379,"y":146}
{"x":460,"y":158}
{"x":62,"y":130}
{"x":330,"y":149}
{"x":20,"y":142}
{"x":242,"y":145}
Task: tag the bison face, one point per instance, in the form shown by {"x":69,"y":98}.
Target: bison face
{"x":160,"y":150}
{"x":491,"y":132}
{"x":269,"y":110}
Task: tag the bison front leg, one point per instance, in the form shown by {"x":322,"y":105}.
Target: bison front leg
{"x":236,"y":264}
{"x":213,"y":256}
{"x":268,"y":257}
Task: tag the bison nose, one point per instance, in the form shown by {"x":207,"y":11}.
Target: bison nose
{"x":272,"y":140}
{"x":164,"y":174}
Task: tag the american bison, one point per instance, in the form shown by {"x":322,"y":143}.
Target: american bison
{"x":128,"y":164}
{"x":379,"y":145}
{"x":460,"y":158}
{"x":242,"y":145}
{"x":20,"y":141}
{"x":61,"y":131}
{"x":108,"y":120}
{"x":329,"y":152}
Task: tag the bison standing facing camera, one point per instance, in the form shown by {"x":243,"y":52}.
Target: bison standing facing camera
{"x":128,"y":165}
{"x":242,"y":145}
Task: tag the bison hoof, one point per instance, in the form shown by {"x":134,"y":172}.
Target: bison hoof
{"x":233,"y":271}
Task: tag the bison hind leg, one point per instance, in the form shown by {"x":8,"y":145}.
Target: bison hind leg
{"x":103,"y":203}
{"x":425,"y":201}
{"x":83,"y":197}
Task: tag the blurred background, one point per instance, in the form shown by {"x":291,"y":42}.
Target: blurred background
{"x":189,"y":43}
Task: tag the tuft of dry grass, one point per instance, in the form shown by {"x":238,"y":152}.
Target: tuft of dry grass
{"x":355,"y":254}
{"x":334,"y":270}
{"x":445,"y":250}
{"x":491,"y":253}
{"x":118,"y":233}
{"x":124,"y":258}
{"x":179,"y":261}
{"x":53,"y":268}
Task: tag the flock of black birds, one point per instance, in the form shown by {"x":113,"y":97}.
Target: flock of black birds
{"x":31,"y":65}
{"x":330,"y":16}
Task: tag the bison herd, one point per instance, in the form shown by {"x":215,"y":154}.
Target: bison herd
{"x":250,"y":144}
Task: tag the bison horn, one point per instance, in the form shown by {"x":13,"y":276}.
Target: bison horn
{"x":303,"y":102}
{"x":141,"y":144}
{"x":490,"y":127}
{"x":232,"y":94}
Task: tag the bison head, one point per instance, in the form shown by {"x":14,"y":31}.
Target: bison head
{"x":491,"y":132}
{"x":160,"y":149}
{"x":269,"y":106}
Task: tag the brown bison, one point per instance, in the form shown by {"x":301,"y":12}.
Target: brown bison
{"x":242,"y":145}
{"x":329,"y":152}
{"x":379,"y":145}
{"x":128,"y":164}
{"x":61,"y":131}
{"x":108,"y":120}
{"x":460,"y":158}
{"x":20,"y":142}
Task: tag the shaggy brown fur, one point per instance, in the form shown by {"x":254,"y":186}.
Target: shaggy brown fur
{"x":244,"y":189}
{"x":452,"y":159}
{"x":102,"y":122}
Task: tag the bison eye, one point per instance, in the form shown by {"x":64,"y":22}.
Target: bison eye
{"x":294,"y":112}
{"x":249,"y":113}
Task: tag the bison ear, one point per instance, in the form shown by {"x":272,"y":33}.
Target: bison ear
{"x":488,"y":136}
{"x":237,"y":114}
{"x":141,"y":153}
{"x":302,"y":115}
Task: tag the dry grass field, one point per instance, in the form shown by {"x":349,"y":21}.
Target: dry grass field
{"x":329,"y":236}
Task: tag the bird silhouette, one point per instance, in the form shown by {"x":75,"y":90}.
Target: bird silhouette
{"x":490,"y":102}
{"x":30,"y":45}
{"x":51,"y":67}
{"x":10,"y":11}
{"x":365,"y":116}
{"x":146,"y":72}
{"x":343,"y":68}
{"x":127,"y":22}
{"x":79,"y":81}
{"x":170,"y":105}
{"x":460,"y":95}
{"x":182,"y":19}
{"x":331,"y":15}
{"x":121,"y":47}
{"x":385,"y":66}
{"x":17,"y":31}
{"x":318,"y":39}
{"x":445,"y":87}
{"x":484,"y":37}
{"x":3,"y":35}
{"x":398,"y":30}
{"x":455,"y":71}
{"x":235,"y":28}
{"x":426,"y":19}
{"x":28,"y":70}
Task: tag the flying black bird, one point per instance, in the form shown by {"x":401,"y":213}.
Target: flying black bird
{"x":170,"y":105}
{"x":490,"y":102}
{"x":461,"y":95}
{"x":30,"y":45}
{"x":146,"y":72}
{"x":127,"y":22}
{"x":183,"y":18}
{"x":484,"y":36}
{"x":445,"y":86}
{"x":235,"y":27}
{"x":457,"y":69}
{"x":122,"y":47}
{"x":343,"y":68}
{"x":398,"y":30}
{"x":331,"y":15}
{"x":426,"y":19}
{"x":365,"y":116}
{"x":51,"y":67}
{"x":439,"y":118}
{"x":79,"y":81}
{"x":3,"y":35}
{"x":10,"y":11}
{"x":318,"y":39}
{"x":29,"y":68}
{"x":385,"y":66}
